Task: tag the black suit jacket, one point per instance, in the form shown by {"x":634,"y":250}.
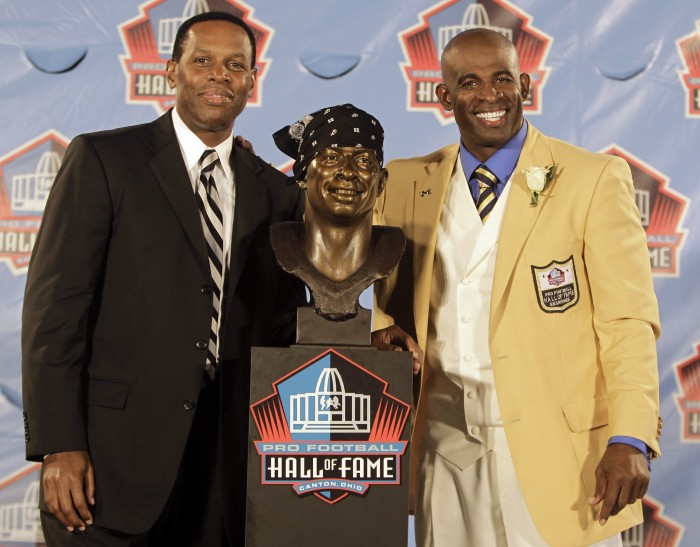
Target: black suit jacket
{"x":118,"y":303}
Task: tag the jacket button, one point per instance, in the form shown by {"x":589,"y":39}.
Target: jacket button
{"x":206,"y":289}
{"x":201,"y":344}
{"x":188,"y":404}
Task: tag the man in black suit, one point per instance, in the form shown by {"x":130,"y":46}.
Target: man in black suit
{"x":135,"y":357}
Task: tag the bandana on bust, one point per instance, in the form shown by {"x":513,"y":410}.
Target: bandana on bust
{"x":335,"y":126}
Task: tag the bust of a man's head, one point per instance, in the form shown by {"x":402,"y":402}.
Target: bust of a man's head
{"x":338,"y":153}
{"x":342,"y":184}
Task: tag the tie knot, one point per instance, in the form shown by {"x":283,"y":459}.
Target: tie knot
{"x":208,"y":161}
{"x":484,"y":176}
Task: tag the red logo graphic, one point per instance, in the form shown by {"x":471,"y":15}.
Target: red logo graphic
{"x":423,"y":43}
{"x":148,"y":40}
{"x":662,"y":210}
{"x":555,"y":277}
{"x":657,"y":530}
{"x":689,"y":49}
{"x":688,"y":378}
{"x":26,"y":176}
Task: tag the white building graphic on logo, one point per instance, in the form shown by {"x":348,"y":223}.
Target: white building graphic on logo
{"x":19,"y":521}
{"x":330,"y":409}
{"x":167,"y":28}
{"x":474,"y":17}
{"x":29,"y":191}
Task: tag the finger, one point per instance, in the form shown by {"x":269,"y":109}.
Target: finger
{"x":90,"y":485}
{"x":66,"y":511}
{"x":53,"y":498}
{"x":638,"y":489}
{"x":601,"y":484}
{"x":643,"y":489}
{"x":50,"y":496}
{"x":81,"y":507}
{"x":385,"y":346}
{"x":86,"y":496}
{"x":624,"y":497}
{"x":610,"y":502}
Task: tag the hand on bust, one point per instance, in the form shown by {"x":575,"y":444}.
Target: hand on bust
{"x":394,"y":338}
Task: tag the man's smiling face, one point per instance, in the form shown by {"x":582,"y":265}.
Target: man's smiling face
{"x":343,"y":183}
{"x":483,"y":86}
{"x":213,"y":78}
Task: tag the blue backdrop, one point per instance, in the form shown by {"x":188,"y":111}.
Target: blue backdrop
{"x":617,"y":76}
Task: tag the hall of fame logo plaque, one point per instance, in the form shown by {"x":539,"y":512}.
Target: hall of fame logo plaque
{"x":330,"y":429}
{"x":148,"y":41}
{"x":423,"y":44}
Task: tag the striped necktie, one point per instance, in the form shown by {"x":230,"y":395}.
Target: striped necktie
{"x":209,"y":204}
{"x":487,"y":191}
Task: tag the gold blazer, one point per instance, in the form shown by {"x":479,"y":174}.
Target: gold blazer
{"x":573,"y":320}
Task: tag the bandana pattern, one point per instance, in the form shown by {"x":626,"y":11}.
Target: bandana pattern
{"x":334,"y":126}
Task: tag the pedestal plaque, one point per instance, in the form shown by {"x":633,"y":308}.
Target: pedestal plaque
{"x":328,"y":451}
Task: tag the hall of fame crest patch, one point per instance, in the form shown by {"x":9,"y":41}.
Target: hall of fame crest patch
{"x":556,"y":285}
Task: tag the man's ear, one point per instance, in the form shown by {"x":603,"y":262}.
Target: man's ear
{"x":253,"y":80}
{"x":383,"y":178}
{"x":443,"y":95}
{"x":170,"y":74}
{"x":524,"y":85}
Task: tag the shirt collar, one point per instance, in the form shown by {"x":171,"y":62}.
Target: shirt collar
{"x":192,"y":147}
{"x":503,"y":161}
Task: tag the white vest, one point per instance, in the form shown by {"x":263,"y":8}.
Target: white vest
{"x":464,"y":420}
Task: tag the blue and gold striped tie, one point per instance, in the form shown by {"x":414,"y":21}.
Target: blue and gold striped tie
{"x":487,"y":190}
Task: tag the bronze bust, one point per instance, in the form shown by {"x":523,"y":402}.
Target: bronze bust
{"x":336,"y":251}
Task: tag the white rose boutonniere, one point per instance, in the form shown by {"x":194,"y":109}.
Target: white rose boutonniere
{"x":538,"y":178}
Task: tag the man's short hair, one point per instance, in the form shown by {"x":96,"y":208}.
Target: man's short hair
{"x":181,"y":36}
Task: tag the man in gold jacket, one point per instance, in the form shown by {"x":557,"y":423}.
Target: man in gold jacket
{"x":527,"y":280}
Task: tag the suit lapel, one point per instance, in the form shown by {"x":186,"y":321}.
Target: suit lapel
{"x":169,"y":169}
{"x":249,"y":212}
{"x":519,"y":216}
{"x":428,"y":198}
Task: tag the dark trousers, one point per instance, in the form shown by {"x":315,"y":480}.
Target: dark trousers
{"x":193,"y":515}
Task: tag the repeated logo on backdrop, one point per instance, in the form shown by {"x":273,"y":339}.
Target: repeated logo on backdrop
{"x":662,"y":210}
{"x":658,"y":530}
{"x":688,"y":400}
{"x":26,"y":176}
{"x":148,"y":41}
{"x":423,"y":44}
{"x":19,"y":507}
{"x":689,"y":49}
